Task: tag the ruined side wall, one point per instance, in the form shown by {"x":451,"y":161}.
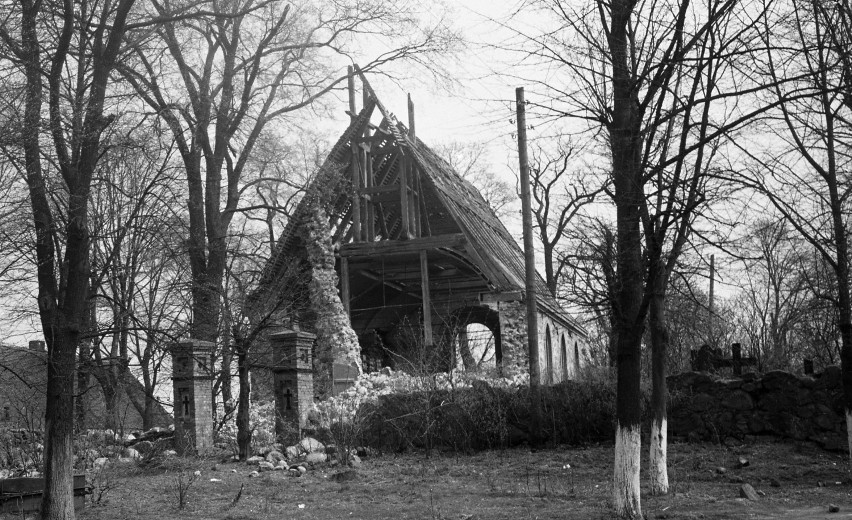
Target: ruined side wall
{"x":779,"y":403}
{"x":513,"y":335}
{"x":558,"y":332}
{"x":336,"y":341}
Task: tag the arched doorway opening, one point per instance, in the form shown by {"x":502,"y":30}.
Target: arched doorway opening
{"x":476,"y":339}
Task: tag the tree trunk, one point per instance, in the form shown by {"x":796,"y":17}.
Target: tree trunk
{"x":110,"y":391}
{"x":625,"y":144}
{"x":83,"y":380}
{"x":57,"y":501}
{"x":659,"y":396}
{"x":243,"y":423}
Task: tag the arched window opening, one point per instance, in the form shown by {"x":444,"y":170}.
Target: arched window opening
{"x":548,"y":356}
{"x":563,"y":358}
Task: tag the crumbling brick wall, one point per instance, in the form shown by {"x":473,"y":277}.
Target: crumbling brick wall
{"x":336,"y":341}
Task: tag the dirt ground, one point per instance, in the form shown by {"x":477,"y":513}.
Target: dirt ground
{"x":796,"y":480}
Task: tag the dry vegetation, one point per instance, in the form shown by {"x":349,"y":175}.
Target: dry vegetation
{"x":799,"y":481}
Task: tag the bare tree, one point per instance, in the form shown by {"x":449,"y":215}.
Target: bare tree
{"x":64,"y":53}
{"x":644,"y":75}
{"x":803,"y":171}
{"x":559,"y":194}
{"x":219,"y":82}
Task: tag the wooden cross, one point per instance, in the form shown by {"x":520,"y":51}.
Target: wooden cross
{"x":287,"y":395}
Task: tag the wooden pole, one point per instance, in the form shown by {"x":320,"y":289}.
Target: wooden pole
{"x":529,"y":263}
{"x":350,"y":83}
{"x":710,"y":306}
{"x":411,"y":132}
{"x":427,"y":299}
{"x":353,"y":165}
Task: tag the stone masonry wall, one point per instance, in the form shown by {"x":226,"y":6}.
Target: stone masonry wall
{"x":778,"y":403}
{"x":513,"y":337}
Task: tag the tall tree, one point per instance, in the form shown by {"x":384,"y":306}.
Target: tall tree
{"x":219,"y":82}
{"x":804,"y":172}
{"x":643,"y":76}
{"x":65,"y":53}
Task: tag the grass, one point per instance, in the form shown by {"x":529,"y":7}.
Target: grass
{"x":511,"y":484}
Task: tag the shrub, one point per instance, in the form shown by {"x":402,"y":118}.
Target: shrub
{"x":262,"y":421}
{"x":463,"y":412}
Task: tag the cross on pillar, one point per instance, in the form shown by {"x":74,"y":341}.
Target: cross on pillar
{"x":288,"y":395}
{"x":185,"y":404}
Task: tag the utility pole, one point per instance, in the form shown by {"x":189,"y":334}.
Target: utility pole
{"x":710,"y":306}
{"x":529,"y":263}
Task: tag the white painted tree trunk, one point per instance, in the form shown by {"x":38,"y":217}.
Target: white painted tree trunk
{"x":625,"y":484}
{"x":659,"y":459}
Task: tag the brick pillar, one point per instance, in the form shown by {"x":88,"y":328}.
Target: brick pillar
{"x":294,"y":378}
{"x":192,"y":380}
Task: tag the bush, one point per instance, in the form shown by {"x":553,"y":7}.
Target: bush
{"x":262,"y":421}
{"x":396,"y":412}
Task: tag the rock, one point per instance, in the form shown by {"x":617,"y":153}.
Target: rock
{"x":747,"y":491}
{"x":721,"y":471}
{"x":275,"y":456}
{"x":265,"y":466}
{"x":742,"y":462}
{"x":738,"y":400}
{"x":311,"y":445}
{"x":282,"y":465}
{"x":294,"y":472}
{"x":131,"y":453}
{"x":169,"y":453}
{"x":354,"y":460}
{"x":292,"y":452}
{"x":255,"y":460}
{"x":774,"y":482}
{"x":833,"y":508}
{"x":254,"y":474}
{"x":316,"y":458}
{"x":144,"y":447}
{"x":301,"y":469}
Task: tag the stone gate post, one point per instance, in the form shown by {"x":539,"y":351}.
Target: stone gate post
{"x":192,"y":380}
{"x":293,"y":371}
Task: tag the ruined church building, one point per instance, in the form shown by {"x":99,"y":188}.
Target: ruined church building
{"x":420,"y":257}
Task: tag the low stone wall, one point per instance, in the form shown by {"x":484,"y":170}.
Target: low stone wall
{"x":704,"y":407}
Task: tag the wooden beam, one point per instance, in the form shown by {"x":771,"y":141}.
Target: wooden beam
{"x":391,"y":247}
{"x":388,"y":283}
{"x":403,"y":198}
{"x":350,"y":83}
{"x":389,"y":188}
{"x":411,"y":132}
{"x":427,"y":303}
{"x":356,"y":198}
